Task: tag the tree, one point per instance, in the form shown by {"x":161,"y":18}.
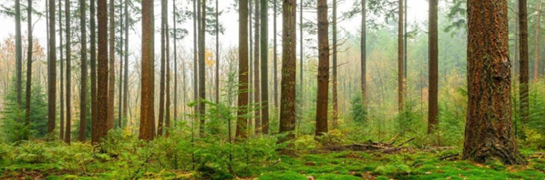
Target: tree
{"x":100,"y":126}
{"x":163,"y":68}
{"x":323,"y":69}
{"x":146,"y":109}
{"x":536,"y":51}
{"x":363,"y":66}
{"x":202,"y":78}
{"x":289,"y":42}
{"x":242,"y":121}
{"x":51,"y":72}
{"x":111,"y":72}
{"x":264,"y":66}
{"x":275,"y":63}
{"x":334,"y":73}
{"x":433,"y":67}
{"x":167,"y":54}
{"x":176,"y":60}
{"x":83,"y":93}
{"x":29,"y":67}
{"x":126,"y":70}
{"x":217,"y":28}
{"x":488,"y":133}
{"x":18,"y":52}
{"x":61,"y":87}
{"x":67,"y":134}
{"x":400,"y":58}
{"x":523,"y":52}
{"x":256,"y":70}
{"x":92,"y":36}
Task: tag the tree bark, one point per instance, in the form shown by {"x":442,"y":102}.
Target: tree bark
{"x":400,"y":59}
{"x":536,"y":51}
{"x":126,"y":70}
{"x":275,"y":63}
{"x":363,"y":46}
{"x":217,"y":55}
{"x":67,"y":134}
{"x":146,"y":109}
{"x":334,"y":78}
{"x":433,"y":40}
{"x":18,"y":54}
{"x":175,"y":62}
{"x":61,"y":87}
{"x":242,"y":121}
{"x":83,"y":93}
{"x":202,"y":78}
{"x":256,"y":71}
{"x":289,"y":44}
{"x":167,"y":54}
{"x":163,"y":68}
{"x":524,"y":67}
{"x":111,"y":73}
{"x":264,"y":66}
{"x":92,"y":36}
{"x":488,"y":133}
{"x":29,"y":70}
{"x":100,"y":126}
{"x":52,"y":73}
{"x":323,"y":69}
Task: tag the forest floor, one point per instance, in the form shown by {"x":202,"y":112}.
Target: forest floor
{"x":408,"y":163}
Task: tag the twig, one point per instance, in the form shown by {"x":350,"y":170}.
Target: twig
{"x":408,"y":141}
{"x":448,"y":156}
{"x":142,"y":165}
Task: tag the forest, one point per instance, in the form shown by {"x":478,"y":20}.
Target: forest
{"x":272,"y":89}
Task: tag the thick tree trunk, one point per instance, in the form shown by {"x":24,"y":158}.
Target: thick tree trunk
{"x":202,"y":78}
{"x":536,"y":51}
{"x":289,"y":44}
{"x":524,"y":69}
{"x":323,"y":69}
{"x":488,"y":133}
{"x":67,"y":134}
{"x":163,"y":68}
{"x":242,"y":121}
{"x":256,"y":70}
{"x":28,"y":70}
{"x":146,"y":109}
{"x":433,"y":40}
{"x":83,"y":93}
{"x":264,"y":66}
{"x":52,"y":73}
{"x":100,"y":126}
{"x":94,"y":100}
{"x":334,"y":73}
{"x":111,"y":74}
{"x":400,"y":59}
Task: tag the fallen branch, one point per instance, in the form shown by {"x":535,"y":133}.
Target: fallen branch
{"x":448,"y":156}
{"x":408,"y":141}
{"x":142,"y":165}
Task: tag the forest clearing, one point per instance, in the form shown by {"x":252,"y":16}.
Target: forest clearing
{"x":272,"y":89}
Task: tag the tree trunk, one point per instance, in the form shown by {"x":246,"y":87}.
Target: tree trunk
{"x":167,"y":54}
{"x":217,"y":55}
{"x":146,"y":109}
{"x":196,"y":24}
{"x":163,"y":68}
{"x":94,"y":100}
{"x":175,"y":62}
{"x":83,"y":93}
{"x":29,"y":69}
{"x":61,"y":87}
{"x":275,"y":63}
{"x":67,"y":134}
{"x":256,"y":71}
{"x":242,"y":121}
{"x":121,"y":64}
{"x":100,"y":126}
{"x":400,"y":59}
{"x":264,"y":66}
{"x":18,"y":53}
{"x":536,"y":51}
{"x":302,"y":53}
{"x":363,"y":46}
{"x":488,"y":133}
{"x":323,"y":69}
{"x":289,"y":44}
{"x":52,"y":73}
{"x":433,"y":41}
{"x":202,"y":78}
{"x":111,"y":74}
{"x":126,"y":70}
{"x":524,"y":69}
{"x":334,"y":78}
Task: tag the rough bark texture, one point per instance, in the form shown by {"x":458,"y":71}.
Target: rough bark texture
{"x":146,"y":109}
{"x":67,"y":134}
{"x":100,"y":126}
{"x":242,"y":121}
{"x":524,"y":69}
{"x":256,"y":70}
{"x":94,"y":102}
{"x":83,"y":93}
{"x":334,"y":73}
{"x":536,"y":51}
{"x":52,"y":72}
{"x":323,"y":69}
{"x":433,"y":67}
{"x":488,"y":133}
{"x":264,"y":66}
{"x":29,"y":69}
{"x":111,"y":72}
{"x":400,"y":62}
{"x":202,"y":78}
{"x":289,"y":44}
